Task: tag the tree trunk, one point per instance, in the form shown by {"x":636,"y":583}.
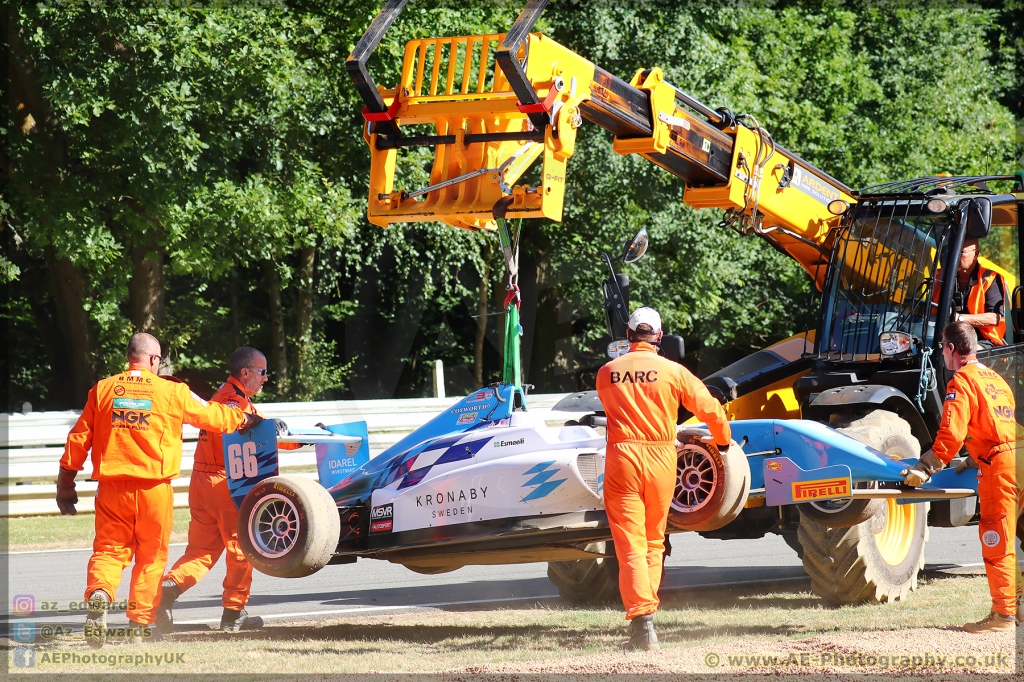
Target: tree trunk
{"x":304,"y":309}
{"x":68,"y":288}
{"x":279,"y":347}
{"x":481,"y":327}
{"x":146,"y":289}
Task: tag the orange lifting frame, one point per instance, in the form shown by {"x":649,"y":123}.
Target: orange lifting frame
{"x":454,"y":85}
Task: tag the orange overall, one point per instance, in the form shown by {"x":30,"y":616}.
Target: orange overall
{"x":979,"y":409}
{"x":641,"y":393}
{"x":214,"y":523}
{"x":132,"y":423}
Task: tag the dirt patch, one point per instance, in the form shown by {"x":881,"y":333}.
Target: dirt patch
{"x":919,"y":653}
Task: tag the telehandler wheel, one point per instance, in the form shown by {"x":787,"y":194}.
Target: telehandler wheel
{"x":711,"y":487}
{"x":879,"y":558}
{"x":588,"y":581}
{"x":876,"y":561}
{"x":882,"y":430}
{"x":288,"y":526}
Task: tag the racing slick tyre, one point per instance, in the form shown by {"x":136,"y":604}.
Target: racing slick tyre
{"x":711,"y":486}
{"x":288,"y":526}
{"x":882,"y":430}
{"x":588,"y":581}
{"x":877,"y":559}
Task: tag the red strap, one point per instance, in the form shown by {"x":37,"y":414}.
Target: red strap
{"x":540,"y":107}
{"x":513,"y":296}
{"x":387,"y":115}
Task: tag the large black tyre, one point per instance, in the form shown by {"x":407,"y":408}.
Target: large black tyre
{"x":882,"y":430}
{"x":711,"y":486}
{"x":878,"y":559}
{"x":288,"y":526}
{"x":588,"y":581}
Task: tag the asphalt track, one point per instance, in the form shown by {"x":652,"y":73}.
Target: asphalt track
{"x":54,"y":578}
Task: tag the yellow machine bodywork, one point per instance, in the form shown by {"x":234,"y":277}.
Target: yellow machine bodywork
{"x":455,"y":86}
{"x":472,"y":96}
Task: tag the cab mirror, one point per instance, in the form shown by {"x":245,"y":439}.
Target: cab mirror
{"x":637,"y":246}
{"x":672,"y":348}
{"x":979,"y":217}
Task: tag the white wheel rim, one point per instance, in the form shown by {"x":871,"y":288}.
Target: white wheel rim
{"x":696,"y":480}
{"x":274,"y":526}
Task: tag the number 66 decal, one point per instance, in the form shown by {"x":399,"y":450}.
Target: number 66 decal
{"x":242,"y":460}
{"x":249,"y":458}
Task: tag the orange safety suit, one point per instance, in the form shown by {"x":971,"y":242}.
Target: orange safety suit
{"x":996,"y":333}
{"x":977,"y":302}
{"x":641,"y":393}
{"x":214,"y":524}
{"x":132,"y":424}
{"x":979,"y":410}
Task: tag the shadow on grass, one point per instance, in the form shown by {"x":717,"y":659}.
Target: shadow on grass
{"x":480,"y":638}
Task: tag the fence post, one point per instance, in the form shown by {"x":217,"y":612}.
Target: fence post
{"x":438,"y":379}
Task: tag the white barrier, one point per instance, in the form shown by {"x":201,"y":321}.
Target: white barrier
{"x":31,"y":444}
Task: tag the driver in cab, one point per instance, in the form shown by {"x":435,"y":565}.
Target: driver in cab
{"x":641,"y":393}
{"x":978,"y":297}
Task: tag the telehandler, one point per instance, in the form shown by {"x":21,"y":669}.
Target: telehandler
{"x":881,"y":258}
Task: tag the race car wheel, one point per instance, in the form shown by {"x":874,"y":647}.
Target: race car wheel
{"x":288,"y":526}
{"x":882,"y":430}
{"x":588,"y":581}
{"x":876,"y":559}
{"x":711,"y":486}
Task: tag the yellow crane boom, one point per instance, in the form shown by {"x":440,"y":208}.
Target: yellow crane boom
{"x":494,"y":104}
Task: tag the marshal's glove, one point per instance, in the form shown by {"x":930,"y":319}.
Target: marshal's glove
{"x":968,"y":463}
{"x":67,"y":498}
{"x":926,"y":466}
{"x":282,"y":428}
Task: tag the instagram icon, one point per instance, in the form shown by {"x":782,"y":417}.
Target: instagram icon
{"x":24,"y":605}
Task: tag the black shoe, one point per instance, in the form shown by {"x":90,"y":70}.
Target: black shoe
{"x":164,"y":615}
{"x":641,"y":635}
{"x":96,"y":619}
{"x":233,"y":621}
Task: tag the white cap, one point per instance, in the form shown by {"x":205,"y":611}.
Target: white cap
{"x":648,"y":316}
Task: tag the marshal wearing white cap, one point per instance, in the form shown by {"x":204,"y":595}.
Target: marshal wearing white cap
{"x":646,"y":316}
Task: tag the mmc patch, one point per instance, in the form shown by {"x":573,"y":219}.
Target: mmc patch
{"x":824,"y":488}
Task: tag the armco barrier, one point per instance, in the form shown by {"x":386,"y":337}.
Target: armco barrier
{"x":32,"y":444}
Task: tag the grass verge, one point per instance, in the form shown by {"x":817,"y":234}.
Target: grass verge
{"x":555,"y":637}
{"x":26,"y":533}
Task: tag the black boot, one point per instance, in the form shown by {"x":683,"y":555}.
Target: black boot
{"x":169,"y":592}
{"x":233,"y":621}
{"x":641,"y":634}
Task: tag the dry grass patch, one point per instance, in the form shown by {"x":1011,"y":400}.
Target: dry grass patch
{"x":551,"y":637}
{"x":31,"y":533}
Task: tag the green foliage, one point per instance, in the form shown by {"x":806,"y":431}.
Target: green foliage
{"x":227,"y":139}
